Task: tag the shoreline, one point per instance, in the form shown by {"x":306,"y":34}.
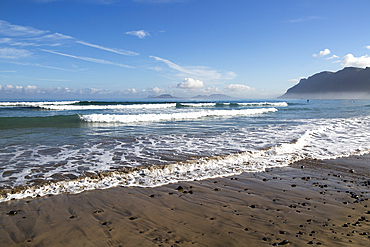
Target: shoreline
{"x":318,"y":202}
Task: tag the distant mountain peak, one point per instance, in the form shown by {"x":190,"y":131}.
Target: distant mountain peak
{"x":162,"y":96}
{"x":212,"y":96}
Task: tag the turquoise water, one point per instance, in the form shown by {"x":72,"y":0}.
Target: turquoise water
{"x":150,"y":143}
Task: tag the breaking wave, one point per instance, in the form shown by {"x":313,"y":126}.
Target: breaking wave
{"x":113,"y":118}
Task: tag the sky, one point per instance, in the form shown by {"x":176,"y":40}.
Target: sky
{"x":123,"y":49}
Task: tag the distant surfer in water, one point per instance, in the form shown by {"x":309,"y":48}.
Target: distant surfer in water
{"x":308,"y":101}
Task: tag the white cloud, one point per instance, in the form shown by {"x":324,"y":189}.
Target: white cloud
{"x":15,"y":30}
{"x":156,"y":90}
{"x":212,"y":89}
{"x":322,"y":53}
{"x":54,"y":39}
{"x":118,"y":51}
{"x":54,"y":36}
{"x":7,"y":71}
{"x":332,"y":57}
{"x":34,"y":92}
{"x":351,"y":61}
{"x":25,"y":42}
{"x":41,"y":66}
{"x":89,"y":59}
{"x":156,"y":68}
{"x":304,"y":19}
{"x":201,"y":72}
{"x":238,"y":87}
{"x":5,"y":40}
{"x":141,"y":33}
{"x":12,"y":53}
{"x":230,"y":75}
{"x":190,"y":83}
{"x":297,"y":80}
{"x":367,"y":47}
{"x":8,"y":87}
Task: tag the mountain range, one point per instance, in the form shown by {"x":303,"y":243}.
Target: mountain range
{"x":348,"y":83}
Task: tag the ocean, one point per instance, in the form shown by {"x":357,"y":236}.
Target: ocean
{"x":49,"y":148}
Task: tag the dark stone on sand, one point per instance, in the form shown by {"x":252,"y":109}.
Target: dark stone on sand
{"x":104,"y":223}
{"x":293,"y":185}
{"x":284,"y":242}
{"x":264,"y":239}
{"x":132,"y":218}
{"x":246,"y":229}
{"x":282,"y":232}
{"x":152,"y":196}
{"x":179,"y":188}
{"x":12,"y":212}
{"x":310,"y":242}
{"x":212,"y":218}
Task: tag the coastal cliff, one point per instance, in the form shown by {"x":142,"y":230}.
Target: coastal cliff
{"x":348,"y":83}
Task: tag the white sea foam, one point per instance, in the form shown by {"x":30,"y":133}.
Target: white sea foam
{"x":107,"y":107}
{"x":37,"y":104}
{"x":264,"y":104}
{"x":109,"y":118}
{"x":327,"y":139}
{"x":287,"y":142}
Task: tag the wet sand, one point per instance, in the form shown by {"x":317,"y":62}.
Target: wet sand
{"x":312,"y":202}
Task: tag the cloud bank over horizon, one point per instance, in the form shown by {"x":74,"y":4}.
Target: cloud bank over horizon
{"x":34,"y":92}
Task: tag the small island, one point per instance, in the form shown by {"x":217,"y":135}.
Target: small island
{"x":162,"y":96}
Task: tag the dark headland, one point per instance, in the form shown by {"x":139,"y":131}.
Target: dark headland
{"x":348,"y":83}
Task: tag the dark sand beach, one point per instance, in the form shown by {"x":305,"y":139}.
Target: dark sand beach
{"x":310,"y":203}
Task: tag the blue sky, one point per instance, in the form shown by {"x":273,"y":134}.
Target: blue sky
{"x":135,"y":48}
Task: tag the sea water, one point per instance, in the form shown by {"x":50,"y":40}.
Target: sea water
{"x":71,"y":146}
